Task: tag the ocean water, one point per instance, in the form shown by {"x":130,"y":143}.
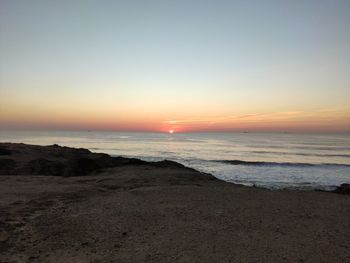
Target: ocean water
{"x":271,"y":160}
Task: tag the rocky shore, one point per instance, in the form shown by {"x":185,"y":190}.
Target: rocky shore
{"x":59,"y":204}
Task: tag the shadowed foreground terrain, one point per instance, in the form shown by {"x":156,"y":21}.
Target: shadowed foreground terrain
{"x":59,"y":204}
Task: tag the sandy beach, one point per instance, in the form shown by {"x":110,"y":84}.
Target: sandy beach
{"x":59,"y":204}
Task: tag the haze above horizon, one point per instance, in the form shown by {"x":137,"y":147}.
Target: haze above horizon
{"x":178,"y":66}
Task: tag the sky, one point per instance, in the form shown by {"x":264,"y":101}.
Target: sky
{"x":175,"y":65}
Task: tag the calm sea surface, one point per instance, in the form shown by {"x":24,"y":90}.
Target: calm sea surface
{"x":272,"y":160}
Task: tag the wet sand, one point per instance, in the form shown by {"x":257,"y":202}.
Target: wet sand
{"x":108,"y":209}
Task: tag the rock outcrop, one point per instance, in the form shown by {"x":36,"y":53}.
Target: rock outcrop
{"x":343,"y":189}
{"x":23,"y":159}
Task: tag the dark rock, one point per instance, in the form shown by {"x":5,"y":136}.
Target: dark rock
{"x":45,"y":167}
{"x":168,"y":164}
{"x":7,"y":165}
{"x":74,"y":167}
{"x":343,"y":189}
{"x":59,"y":160}
{"x":81,"y":166}
{"x":119,"y":161}
{"x":56,"y":147}
{"x":4,"y":151}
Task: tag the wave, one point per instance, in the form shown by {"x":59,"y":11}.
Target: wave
{"x":235,"y":162}
{"x":303,"y":154}
{"x":322,"y":148}
{"x":280,"y":164}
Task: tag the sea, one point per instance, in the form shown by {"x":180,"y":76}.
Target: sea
{"x":268,"y":160}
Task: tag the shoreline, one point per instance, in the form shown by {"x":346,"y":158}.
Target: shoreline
{"x":37,"y":165}
{"x":128,"y":210}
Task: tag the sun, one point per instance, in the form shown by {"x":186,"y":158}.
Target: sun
{"x":171,"y":131}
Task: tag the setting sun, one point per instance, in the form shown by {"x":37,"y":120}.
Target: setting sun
{"x":171,"y":131}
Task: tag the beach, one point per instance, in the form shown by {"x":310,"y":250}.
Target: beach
{"x":108,"y":209}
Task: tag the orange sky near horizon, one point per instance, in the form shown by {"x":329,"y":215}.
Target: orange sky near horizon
{"x":322,"y":120}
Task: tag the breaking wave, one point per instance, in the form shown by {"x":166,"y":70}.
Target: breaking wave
{"x":283,"y":164}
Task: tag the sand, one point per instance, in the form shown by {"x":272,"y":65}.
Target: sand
{"x":108,"y":209}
